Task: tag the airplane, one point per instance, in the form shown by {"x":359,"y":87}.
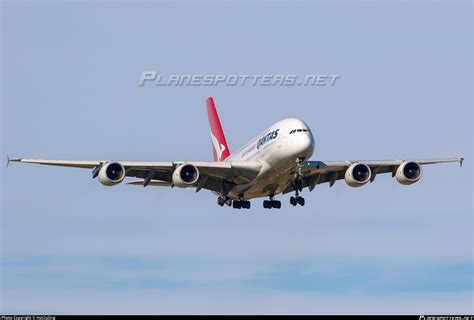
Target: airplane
{"x":274,"y":162}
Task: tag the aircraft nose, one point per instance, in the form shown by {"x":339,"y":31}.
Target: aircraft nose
{"x":305,"y":145}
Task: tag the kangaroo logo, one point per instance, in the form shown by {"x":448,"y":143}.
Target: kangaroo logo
{"x":219,"y":149}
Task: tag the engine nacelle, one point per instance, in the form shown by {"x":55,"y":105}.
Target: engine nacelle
{"x":185,"y":175}
{"x":357,"y":174}
{"x":111,"y":173}
{"x":408,"y":172}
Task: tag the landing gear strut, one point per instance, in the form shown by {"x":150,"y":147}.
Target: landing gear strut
{"x":268,"y":204}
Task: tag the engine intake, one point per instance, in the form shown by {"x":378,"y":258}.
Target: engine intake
{"x":357,"y":174}
{"x":408,"y":172}
{"x":185,"y":175}
{"x":111,"y":173}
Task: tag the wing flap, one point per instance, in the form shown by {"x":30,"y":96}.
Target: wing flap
{"x":156,"y":183}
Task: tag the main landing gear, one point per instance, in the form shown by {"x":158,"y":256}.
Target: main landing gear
{"x":236,"y":204}
{"x":268,"y":204}
{"x":221,"y":201}
{"x":297,"y":200}
{"x":239,"y":204}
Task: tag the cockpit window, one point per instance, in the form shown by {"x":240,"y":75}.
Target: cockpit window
{"x":298,"y":130}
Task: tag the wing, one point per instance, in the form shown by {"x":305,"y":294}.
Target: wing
{"x":215,"y":176}
{"x":317,"y":172}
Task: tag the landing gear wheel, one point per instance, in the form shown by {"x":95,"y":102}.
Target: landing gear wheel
{"x":297,"y":200}
{"x":268,"y":204}
{"x":293,"y":201}
{"x":237,"y":204}
{"x":220,"y":201}
{"x":241,"y":204}
{"x":276,"y":204}
{"x":301,"y":201}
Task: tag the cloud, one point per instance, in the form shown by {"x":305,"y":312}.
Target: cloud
{"x":314,"y":283}
{"x":232,"y":302}
{"x":284,"y":236}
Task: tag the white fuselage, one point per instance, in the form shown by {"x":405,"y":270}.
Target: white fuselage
{"x":277,"y":148}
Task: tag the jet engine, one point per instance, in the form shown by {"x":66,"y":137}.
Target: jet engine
{"x":408,"y":172}
{"x":357,"y":174}
{"x":185,"y":175}
{"x":111,"y":173}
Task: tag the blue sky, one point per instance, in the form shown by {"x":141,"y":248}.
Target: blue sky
{"x":70,"y":90}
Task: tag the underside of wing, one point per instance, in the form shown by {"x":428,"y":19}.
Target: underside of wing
{"x":233,"y":172}
{"x":214,"y":175}
{"x":357,"y":173}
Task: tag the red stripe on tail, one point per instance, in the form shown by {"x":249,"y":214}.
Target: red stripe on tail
{"x":220,"y":150}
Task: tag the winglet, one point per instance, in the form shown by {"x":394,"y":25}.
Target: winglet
{"x":461,"y":159}
{"x":9,"y":160}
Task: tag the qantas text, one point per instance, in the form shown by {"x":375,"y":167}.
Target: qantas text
{"x":269,"y":136}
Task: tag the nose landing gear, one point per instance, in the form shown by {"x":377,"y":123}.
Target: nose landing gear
{"x":297,"y":184}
